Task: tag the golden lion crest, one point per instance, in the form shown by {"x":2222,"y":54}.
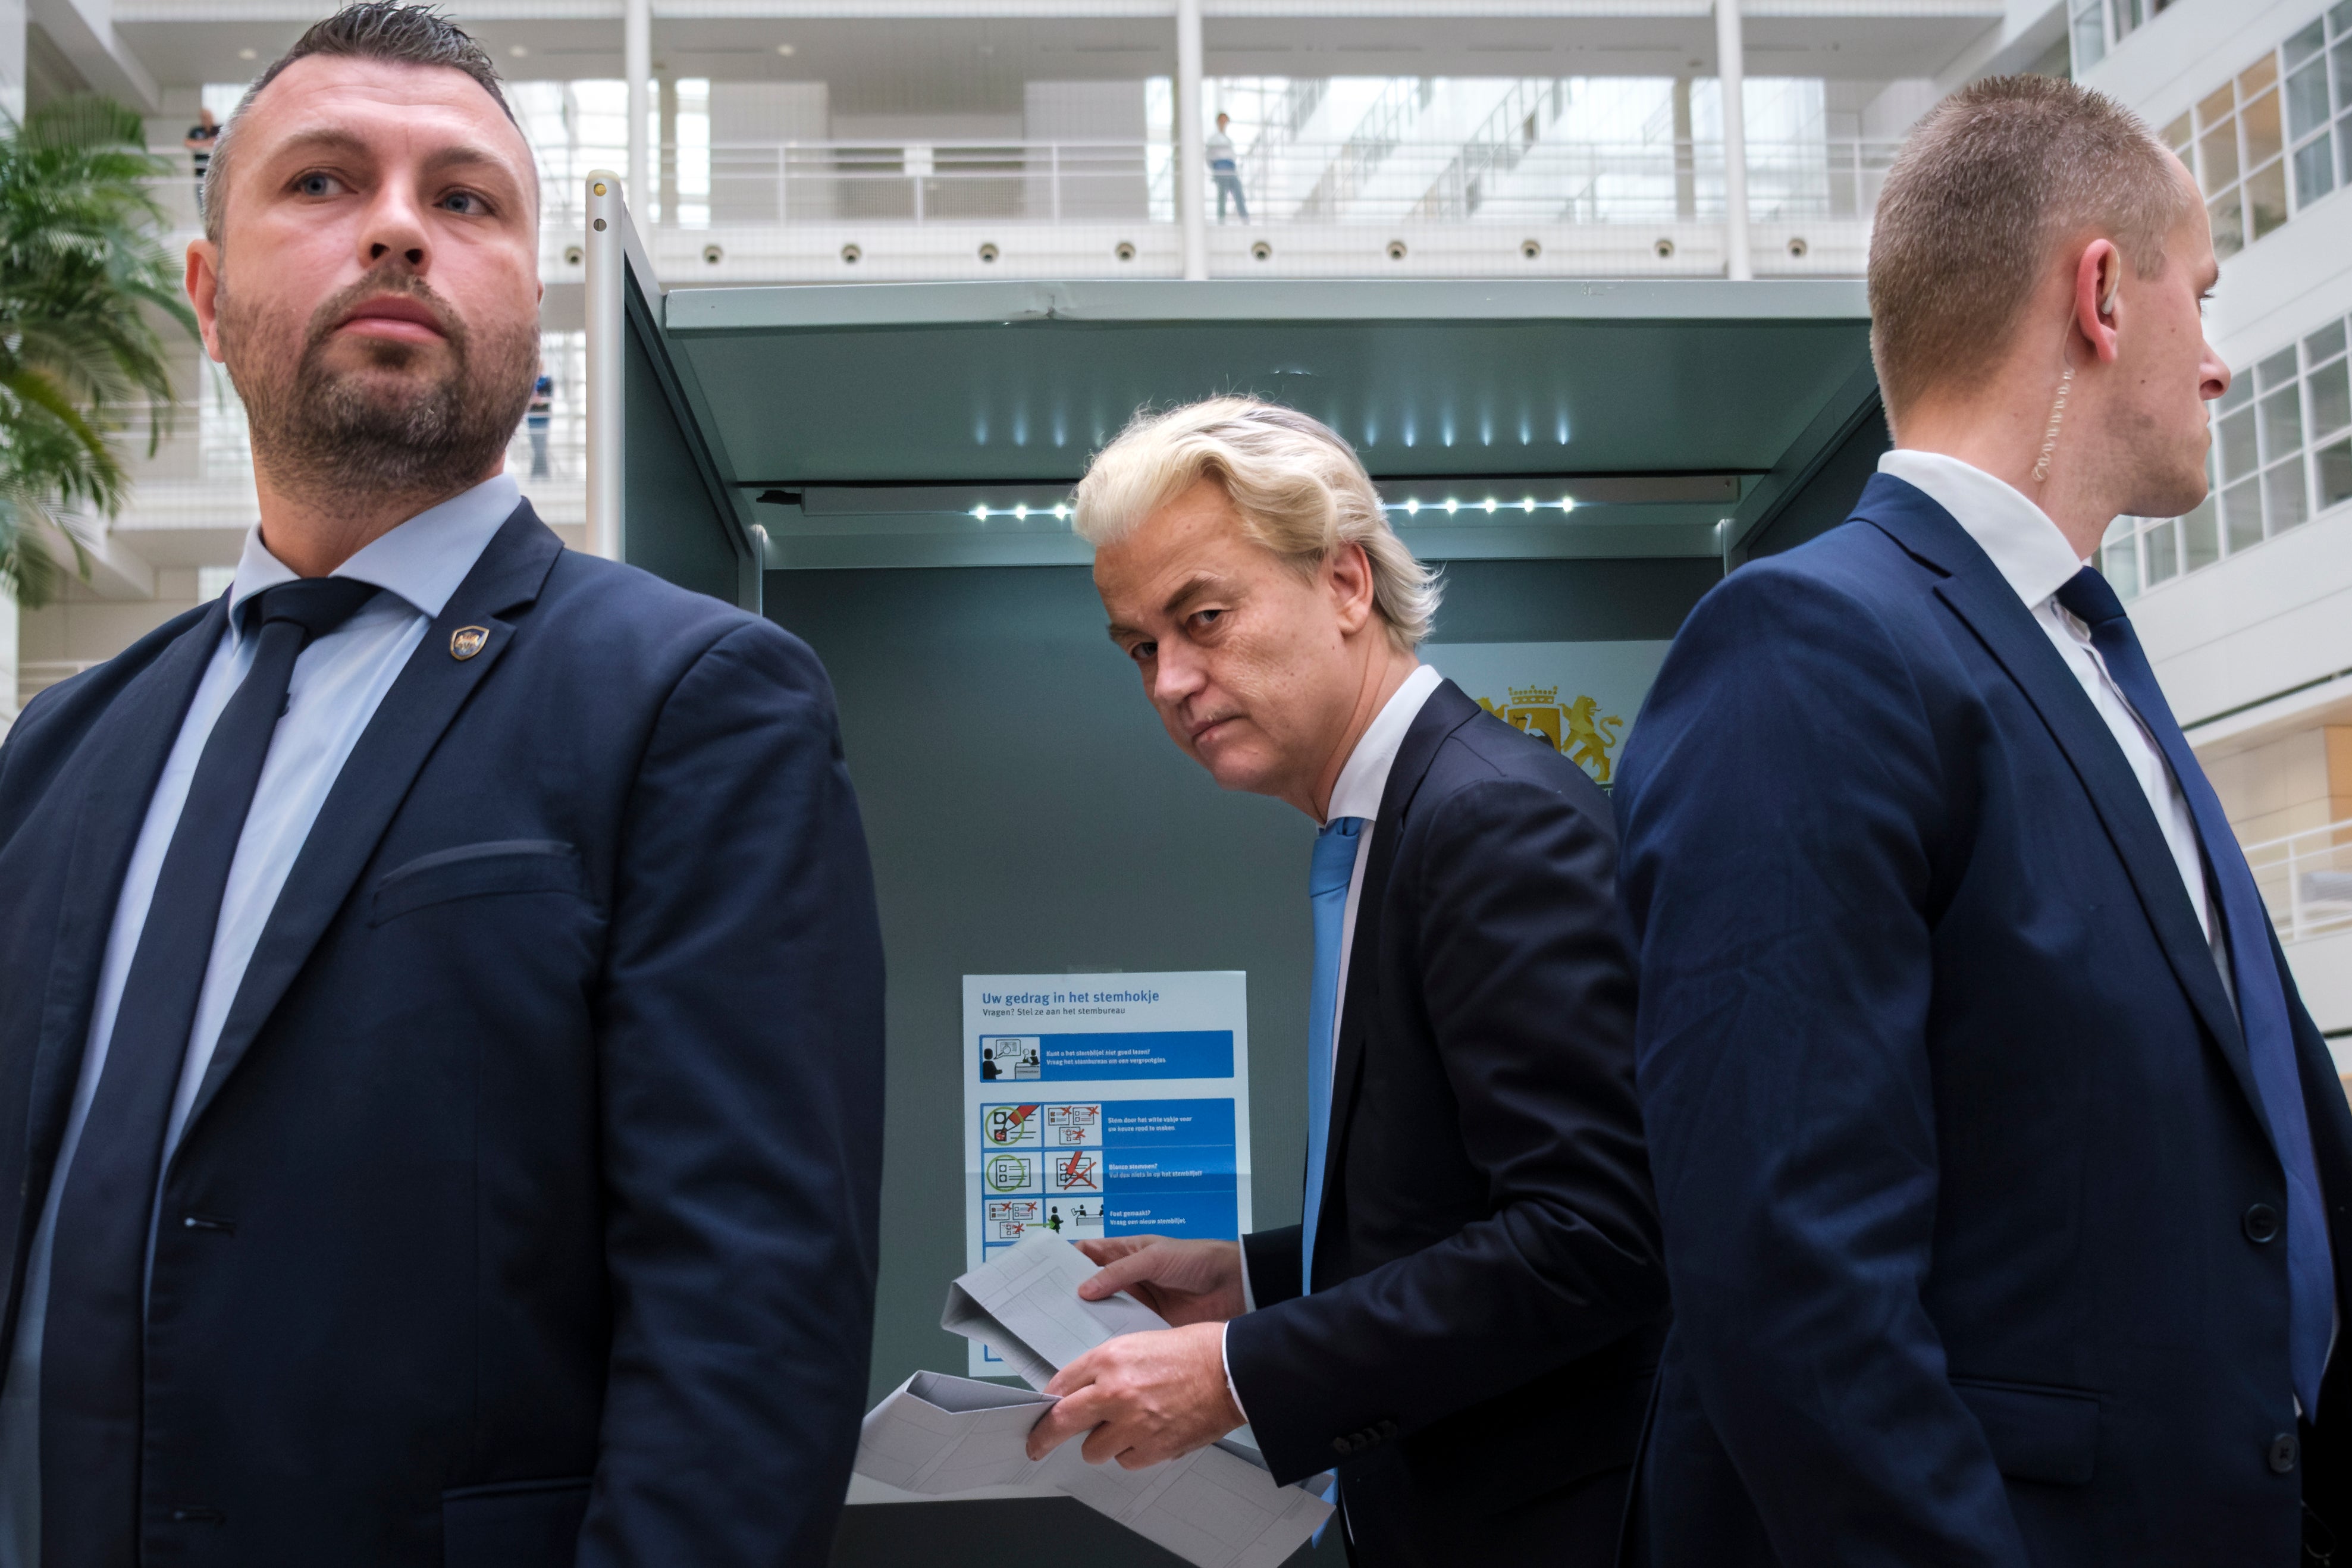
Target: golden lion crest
{"x":1576,"y":729}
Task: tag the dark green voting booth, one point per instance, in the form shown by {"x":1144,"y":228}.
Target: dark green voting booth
{"x":877,"y":467}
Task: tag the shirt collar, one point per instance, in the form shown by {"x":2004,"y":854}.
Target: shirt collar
{"x":1366,"y":777}
{"x":421,"y":561}
{"x":2026,"y":546}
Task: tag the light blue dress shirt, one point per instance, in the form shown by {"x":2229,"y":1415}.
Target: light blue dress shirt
{"x":337,"y":683}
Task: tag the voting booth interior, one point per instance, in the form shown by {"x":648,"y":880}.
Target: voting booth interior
{"x":1586,"y":460}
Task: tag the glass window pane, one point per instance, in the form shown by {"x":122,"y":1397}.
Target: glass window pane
{"x":2119,"y":564}
{"x":2229,"y":228}
{"x":2163,"y":563}
{"x":2305,"y":45}
{"x":2339,"y":18}
{"x":2282,"y":495}
{"x":2275,"y":372}
{"x":2325,"y":343}
{"x":2261,"y":121}
{"x":2266,"y":198}
{"x":2177,"y":135}
{"x":2331,"y":398}
{"x":2217,"y":157}
{"x":2216,"y":108}
{"x":2200,"y":543}
{"x":2333,"y":467}
{"x":2315,"y":173}
{"x":2241,"y":393}
{"x":2282,"y":423}
{"x":2307,"y":99}
{"x":2238,"y":458}
{"x":2241,"y":514}
{"x":2341,"y":54}
{"x":2089,"y":40}
{"x":2257,"y":76}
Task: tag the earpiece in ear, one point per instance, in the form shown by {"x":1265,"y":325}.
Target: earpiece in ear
{"x":2115,"y":286}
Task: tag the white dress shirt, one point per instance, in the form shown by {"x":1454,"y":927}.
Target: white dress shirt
{"x":1357,"y":792}
{"x":2036,"y":560}
{"x":337,"y":681}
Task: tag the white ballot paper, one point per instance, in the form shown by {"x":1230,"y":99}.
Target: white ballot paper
{"x":938,"y":1435}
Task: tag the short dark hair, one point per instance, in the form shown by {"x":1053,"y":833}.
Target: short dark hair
{"x":1986,"y":189}
{"x":400,"y":34}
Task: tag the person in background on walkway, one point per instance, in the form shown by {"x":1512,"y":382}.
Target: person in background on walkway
{"x":1226,"y":169}
{"x":542,"y":405}
{"x":2006,"y":1183}
{"x":440,"y":984}
{"x":1467,"y":1320}
{"x":199,"y":143}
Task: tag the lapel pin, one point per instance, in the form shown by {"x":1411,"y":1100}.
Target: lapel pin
{"x":467,"y":641}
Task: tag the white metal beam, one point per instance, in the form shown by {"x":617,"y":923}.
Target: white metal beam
{"x":1731,"y":71}
{"x":637,"y":65}
{"x":1192,"y":141}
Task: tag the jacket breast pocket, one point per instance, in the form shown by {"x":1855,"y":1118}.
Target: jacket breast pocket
{"x":2048,"y":1435}
{"x":478,"y":870}
{"x":517,"y":1524}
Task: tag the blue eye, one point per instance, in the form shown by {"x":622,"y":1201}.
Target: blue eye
{"x":315,"y":185}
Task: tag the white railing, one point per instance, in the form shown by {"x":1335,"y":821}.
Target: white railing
{"x":206,"y":439}
{"x":1538,"y":181}
{"x":2306,"y":880}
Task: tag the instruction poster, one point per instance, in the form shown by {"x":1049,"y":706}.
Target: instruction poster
{"x":1103,"y":1105}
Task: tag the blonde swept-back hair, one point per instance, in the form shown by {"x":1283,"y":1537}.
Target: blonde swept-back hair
{"x":1299,"y":488}
{"x":1986,"y":189}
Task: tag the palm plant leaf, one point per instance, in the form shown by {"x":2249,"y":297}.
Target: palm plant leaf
{"x":84,"y":282}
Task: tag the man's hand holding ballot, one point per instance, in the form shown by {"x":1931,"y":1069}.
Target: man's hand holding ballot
{"x":1146,"y":1397}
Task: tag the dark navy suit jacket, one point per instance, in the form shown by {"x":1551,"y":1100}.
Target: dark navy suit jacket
{"x":534,"y":1179}
{"x":1953,"y":1125}
{"x":1489,"y":1292}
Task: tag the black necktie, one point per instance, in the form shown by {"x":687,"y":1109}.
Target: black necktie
{"x":2262,"y":999}
{"x":91,"y":1371}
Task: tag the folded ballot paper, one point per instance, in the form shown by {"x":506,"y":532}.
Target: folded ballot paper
{"x":938,"y":1435}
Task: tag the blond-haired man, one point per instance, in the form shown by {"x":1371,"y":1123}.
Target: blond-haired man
{"x":2004,"y":1176}
{"x":1466,"y":1323}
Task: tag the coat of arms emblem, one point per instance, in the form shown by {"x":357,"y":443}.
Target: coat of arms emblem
{"x":1576,"y":729}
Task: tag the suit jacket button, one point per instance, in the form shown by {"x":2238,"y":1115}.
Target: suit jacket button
{"x":2282,"y":1453}
{"x":2261,"y":1224}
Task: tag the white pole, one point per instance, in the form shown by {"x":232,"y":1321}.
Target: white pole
{"x":1192,"y":141}
{"x":637,"y":63}
{"x":607,"y":321}
{"x":1731,"y":72}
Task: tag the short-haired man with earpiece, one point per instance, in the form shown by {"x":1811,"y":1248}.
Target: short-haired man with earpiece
{"x":1466,"y":1322}
{"x":2005,"y":1178}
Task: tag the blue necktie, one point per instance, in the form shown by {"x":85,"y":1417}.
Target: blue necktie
{"x":2261,"y":1000}
{"x":1326,"y":885}
{"x":93,"y":1363}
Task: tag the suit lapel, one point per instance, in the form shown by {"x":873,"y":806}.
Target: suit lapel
{"x":1976,"y":592}
{"x":376,"y":777}
{"x":1445,"y":710}
{"x":126,"y":752}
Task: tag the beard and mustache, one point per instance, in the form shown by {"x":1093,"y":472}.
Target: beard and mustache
{"x":346,"y":434}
